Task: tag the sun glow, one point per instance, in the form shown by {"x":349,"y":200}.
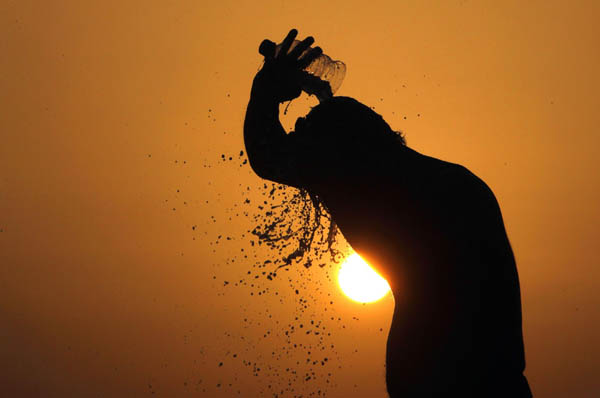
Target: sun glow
{"x":360,"y":282}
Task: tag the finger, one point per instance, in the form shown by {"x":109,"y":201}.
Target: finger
{"x":301,"y":47}
{"x":267,"y":48}
{"x":308,"y":58}
{"x":287,"y":42}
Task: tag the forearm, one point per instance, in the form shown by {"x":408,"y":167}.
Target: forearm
{"x":269,"y":151}
{"x":262,"y":127}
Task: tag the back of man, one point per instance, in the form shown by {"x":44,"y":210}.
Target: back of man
{"x":435,"y":231}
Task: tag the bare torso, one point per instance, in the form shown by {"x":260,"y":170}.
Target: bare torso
{"x":434,"y":230}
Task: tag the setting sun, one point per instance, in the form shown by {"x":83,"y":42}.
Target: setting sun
{"x":360,"y":282}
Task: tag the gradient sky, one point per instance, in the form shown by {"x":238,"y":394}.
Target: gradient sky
{"x":114,"y":118}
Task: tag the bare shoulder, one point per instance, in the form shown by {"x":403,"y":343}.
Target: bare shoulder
{"x":464,"y":189}
{"x":465,"y":178}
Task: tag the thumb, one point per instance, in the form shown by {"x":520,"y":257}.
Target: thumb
{"x":267,"y":48}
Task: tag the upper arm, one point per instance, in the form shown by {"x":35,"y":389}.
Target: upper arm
{"x":477,"y":236}
{"x":494,"y":240}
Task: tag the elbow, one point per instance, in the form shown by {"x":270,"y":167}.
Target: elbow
{"x":266,"y":171}
{"x":260,"y":163}
{"x":259,"y":167}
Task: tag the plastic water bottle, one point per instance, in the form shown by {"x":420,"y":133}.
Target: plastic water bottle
{"x":326,"y":74}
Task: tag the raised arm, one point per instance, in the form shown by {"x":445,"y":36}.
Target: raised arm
{"x":271,"y":152}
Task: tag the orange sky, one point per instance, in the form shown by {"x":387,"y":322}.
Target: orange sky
{"x":111,"y":107}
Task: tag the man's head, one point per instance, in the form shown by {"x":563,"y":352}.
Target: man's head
{"x":343,"y":132}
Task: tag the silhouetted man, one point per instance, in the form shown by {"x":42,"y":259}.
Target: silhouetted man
{"x":431,"y":228}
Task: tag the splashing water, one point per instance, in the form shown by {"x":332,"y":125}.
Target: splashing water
{"x":300,"y":222}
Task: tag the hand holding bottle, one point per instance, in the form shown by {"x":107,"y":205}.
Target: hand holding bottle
{"x":282,"y":75}
{"x":293,"y":66}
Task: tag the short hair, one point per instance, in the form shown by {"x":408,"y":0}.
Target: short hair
{"x":346,"y":120}
{"x":343,"y":127}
